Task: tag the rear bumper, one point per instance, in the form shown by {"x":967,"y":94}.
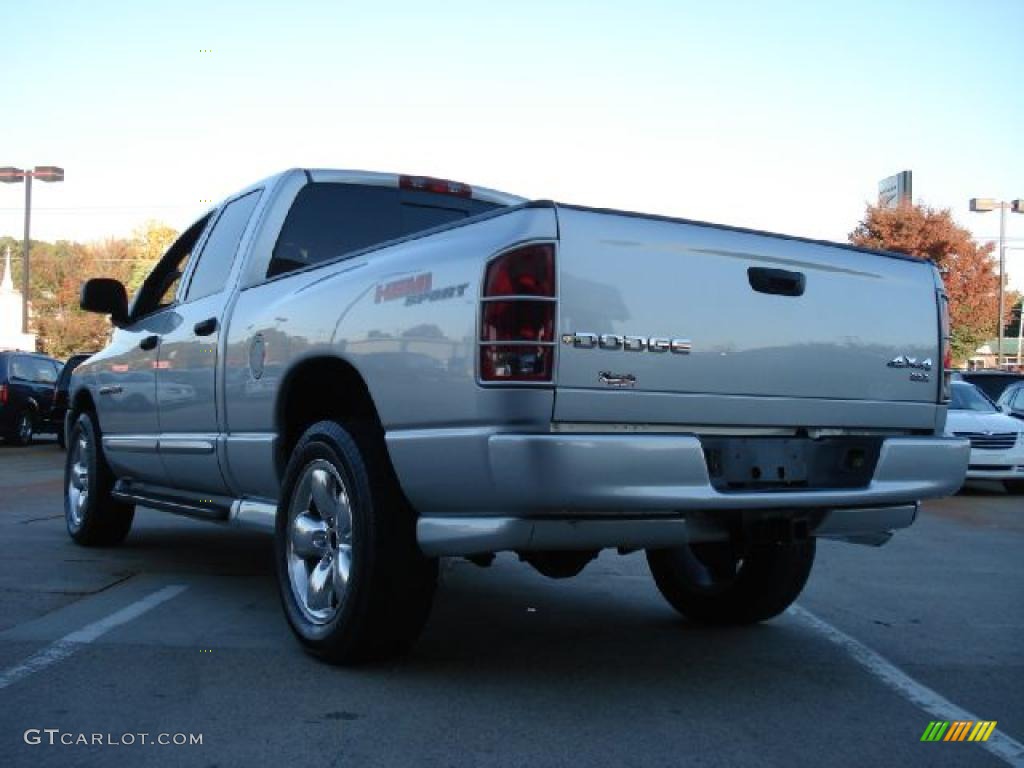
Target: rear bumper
{"x":490,"y":490}
{"x":481,"y":471}
{"x":668,"y":473}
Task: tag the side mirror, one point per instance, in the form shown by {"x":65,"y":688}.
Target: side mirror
{"x":105,"y":296}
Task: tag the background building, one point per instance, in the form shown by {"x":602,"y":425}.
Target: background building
{"x":11,"y":336}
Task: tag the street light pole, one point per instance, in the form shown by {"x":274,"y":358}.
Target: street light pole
{"x":25,"y":250}
{"x":984,"y":205}
{"x":1002,"y":279}
{"x":9,"y":175}
{"x":1020,"y":335}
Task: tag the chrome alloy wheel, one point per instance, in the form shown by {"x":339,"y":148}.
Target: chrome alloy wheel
{"x":24,"y":428}
{"x":319,"y":546}
{"x":78,"y":480}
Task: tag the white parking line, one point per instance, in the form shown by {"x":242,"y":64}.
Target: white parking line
{"x":67,"y":645}
{"x":999,"y":744}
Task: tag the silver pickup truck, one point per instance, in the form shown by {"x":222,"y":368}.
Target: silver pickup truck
{"x":383,"y":370}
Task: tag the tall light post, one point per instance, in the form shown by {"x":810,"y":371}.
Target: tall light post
{"x":984,"y":205}
{"x":11,"y":175}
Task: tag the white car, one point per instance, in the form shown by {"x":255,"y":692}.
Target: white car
{"x":997,"y":445}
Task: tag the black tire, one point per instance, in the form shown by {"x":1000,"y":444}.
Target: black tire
{"x":22,"y":430}
{"x":386,"y":596}
{"x":1014,"y":486}
{"x":62,"y":440}
{"x":100,"y":520}
{"x":708,"y":583}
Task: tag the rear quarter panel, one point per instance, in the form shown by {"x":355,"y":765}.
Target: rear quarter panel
{"x":417,"y":355}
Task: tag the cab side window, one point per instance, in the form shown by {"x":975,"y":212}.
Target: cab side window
{"x":160,"y":288}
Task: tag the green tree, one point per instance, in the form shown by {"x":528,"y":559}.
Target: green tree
{"x":62,"y":327}
{"x":149,"y":242}
{"x":58,"y":271}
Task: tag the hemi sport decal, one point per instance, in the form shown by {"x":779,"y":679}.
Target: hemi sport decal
{"x":417,"y":289}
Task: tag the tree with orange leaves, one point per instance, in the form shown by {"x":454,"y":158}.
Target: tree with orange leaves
{"x":968,"y":269}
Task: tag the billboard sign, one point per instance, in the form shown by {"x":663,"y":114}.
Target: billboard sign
{"x":896,"y":190}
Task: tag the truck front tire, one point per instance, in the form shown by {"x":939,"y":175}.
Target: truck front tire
{"x":93,"y":517}
{"x":712,"y":583}
{"x":353,"y":582}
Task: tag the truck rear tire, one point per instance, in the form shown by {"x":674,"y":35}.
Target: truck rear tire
{"x":711,"y":583}
{"x":93,"y":517}
{"x":353,"y":582}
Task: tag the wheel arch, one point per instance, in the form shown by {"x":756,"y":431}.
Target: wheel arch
{"x":80,"y":402}
{"x":31,"y":405}
{"x":318,"y":388}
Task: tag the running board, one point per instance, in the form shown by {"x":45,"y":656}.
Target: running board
{"x":212,"y":508}
{"x":251,"y":514}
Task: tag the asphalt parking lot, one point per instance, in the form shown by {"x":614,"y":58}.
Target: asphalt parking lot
{"x":179,"y":631}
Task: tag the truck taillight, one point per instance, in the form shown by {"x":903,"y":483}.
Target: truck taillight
{"x":947,"y":349}
{"x":3,"y":394}
{"x":517,"y":316}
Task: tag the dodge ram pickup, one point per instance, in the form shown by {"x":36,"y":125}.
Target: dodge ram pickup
{"x":383,"y":370}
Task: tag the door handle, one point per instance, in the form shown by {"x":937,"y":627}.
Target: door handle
{"x":205,"y":327}
{"x":778,"y":281}
{"x":149,"y":342}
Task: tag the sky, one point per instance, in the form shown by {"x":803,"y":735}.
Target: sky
{"x":774,"y":115}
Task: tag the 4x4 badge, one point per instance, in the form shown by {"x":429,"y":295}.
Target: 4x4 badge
{"x":910,"y":362}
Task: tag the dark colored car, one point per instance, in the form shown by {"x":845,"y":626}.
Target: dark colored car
{"x":1011,"y":402}
{"x":60,"y":395}
{"x":26,"y":395}
{"x":992,"y":383}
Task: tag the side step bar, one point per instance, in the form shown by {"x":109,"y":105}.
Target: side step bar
{"x":251,"y":514}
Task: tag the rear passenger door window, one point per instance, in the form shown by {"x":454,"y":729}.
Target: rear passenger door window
{"x":218,"y":253}
{"x":328,"y":220}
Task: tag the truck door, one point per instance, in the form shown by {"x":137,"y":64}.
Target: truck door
{"x":186,"y":377}
{"x":126,"y":370}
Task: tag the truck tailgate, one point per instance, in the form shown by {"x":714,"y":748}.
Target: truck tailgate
{"x":767,"y":329}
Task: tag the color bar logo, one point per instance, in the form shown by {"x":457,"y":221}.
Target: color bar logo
{"x":958,"y":730}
